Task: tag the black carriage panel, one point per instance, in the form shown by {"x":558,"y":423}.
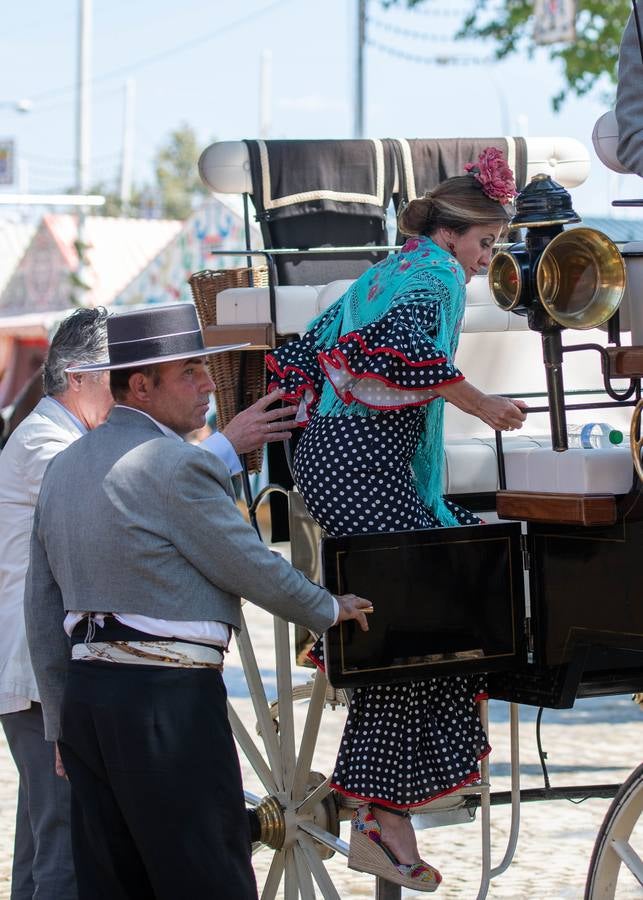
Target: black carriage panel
{"x":586,"y":614}
{"x":446,"y":600}
{"x":585,"y":588}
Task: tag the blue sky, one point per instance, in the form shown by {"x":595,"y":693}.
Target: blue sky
{"x":200,"y":63}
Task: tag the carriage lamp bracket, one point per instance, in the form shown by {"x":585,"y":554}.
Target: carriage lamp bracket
{"x":620,"y":397}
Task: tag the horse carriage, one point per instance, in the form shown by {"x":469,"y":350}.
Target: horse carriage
{"x":553,"y":575}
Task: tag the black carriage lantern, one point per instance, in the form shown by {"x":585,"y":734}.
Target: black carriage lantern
{"x":558,"y":279}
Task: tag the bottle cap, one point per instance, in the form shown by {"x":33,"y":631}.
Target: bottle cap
{"x":615,"y":436}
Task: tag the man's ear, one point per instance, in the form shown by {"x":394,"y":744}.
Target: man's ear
{"x":139,"y":386}
{"x":74,"y":381}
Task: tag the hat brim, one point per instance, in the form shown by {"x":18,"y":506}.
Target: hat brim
{"x":153,"y":360}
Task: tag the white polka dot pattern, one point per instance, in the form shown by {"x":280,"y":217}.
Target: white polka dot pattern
{"x":403,"y":743}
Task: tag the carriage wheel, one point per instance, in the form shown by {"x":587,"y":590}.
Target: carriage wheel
{"x":299,"y":816}
{"x":617,"y":861}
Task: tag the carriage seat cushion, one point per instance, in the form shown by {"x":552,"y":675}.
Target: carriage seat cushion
{"x":297,"y":305}
{"x":575,"y":471}
{"x":470,"y":466}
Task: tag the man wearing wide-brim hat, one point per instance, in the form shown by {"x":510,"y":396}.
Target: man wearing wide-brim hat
{"x":140,"y":555}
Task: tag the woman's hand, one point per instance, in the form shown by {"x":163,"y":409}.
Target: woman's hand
{"x":502,"y":413}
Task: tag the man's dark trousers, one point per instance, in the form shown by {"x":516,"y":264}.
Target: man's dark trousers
{"x":157,"y":803}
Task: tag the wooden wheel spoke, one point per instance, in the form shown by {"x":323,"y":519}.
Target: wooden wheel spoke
{"x":260,"y":703}
{"x":284,"y":693}
{"x":628,"y":855}
{"x":291,"y":882}
{"x":306,"y":887}
{"x":321,"y":876}
{"x":315,"y":797}
{"x":273,"y":879}
{"x":251,"y":752}
{"x":309,"y":736}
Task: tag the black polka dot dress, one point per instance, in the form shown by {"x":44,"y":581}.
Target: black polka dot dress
{"x":403,"y":744}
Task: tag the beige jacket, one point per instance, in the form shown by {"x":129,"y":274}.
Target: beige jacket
{"x":46,"y":431}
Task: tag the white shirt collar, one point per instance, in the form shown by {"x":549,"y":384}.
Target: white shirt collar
{"x":83,"y":428}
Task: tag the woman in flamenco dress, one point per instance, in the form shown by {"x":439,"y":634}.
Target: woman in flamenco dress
{"x":371,"y":376}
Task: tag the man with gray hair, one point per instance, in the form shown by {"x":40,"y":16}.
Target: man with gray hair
{"x":72,"y":405}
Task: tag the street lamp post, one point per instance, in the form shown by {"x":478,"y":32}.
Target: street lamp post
{"x":83,"y":141}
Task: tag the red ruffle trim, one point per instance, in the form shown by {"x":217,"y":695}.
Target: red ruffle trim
{"x":470,"y":779}
{"x":329,"y":359}
{"x":292,"y":396}
{"x":317,"y":662}
{"x":356,"y":336}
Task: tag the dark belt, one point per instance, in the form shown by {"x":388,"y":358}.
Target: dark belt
{"x":113,"y":630}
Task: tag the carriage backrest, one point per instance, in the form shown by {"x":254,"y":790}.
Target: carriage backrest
{"x":225,"y":165}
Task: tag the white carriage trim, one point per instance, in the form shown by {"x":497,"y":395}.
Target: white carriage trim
{"x":409,"y":174}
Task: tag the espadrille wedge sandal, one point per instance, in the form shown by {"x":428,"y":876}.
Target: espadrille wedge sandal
{"x":367,"y":853}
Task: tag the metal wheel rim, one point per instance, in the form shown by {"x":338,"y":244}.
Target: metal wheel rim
{"x":614,"y":852}
{"x":636,"y":442}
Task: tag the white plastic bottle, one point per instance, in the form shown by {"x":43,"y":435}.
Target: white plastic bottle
{"x":593,"y":435}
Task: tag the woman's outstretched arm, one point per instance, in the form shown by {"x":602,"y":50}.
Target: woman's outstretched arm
{"x":501,"y":413}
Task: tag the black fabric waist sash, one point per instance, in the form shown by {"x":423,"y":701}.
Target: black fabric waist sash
{"x":113,"y":630}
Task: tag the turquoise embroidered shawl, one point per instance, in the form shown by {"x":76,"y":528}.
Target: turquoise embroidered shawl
{"x":420,"y":266}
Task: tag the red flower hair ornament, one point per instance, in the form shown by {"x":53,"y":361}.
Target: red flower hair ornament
{"x":494,"y":175}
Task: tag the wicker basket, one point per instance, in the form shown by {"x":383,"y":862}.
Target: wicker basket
{"x":240,"y":375}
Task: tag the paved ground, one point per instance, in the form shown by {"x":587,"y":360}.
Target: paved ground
{"x":598,"y":742}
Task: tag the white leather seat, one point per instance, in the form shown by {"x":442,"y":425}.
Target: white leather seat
{"x":298,"y":304}
{"x":576,"y":471}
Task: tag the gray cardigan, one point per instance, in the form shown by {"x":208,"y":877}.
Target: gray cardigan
{"x":130,"y":520}
{"x":629,"y":100}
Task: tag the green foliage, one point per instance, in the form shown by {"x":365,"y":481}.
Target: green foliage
{"x":176,"y":173}
{"x":509,"y":23}
{"x":112,"y":206}
{"x":79,"y":287}
{"x":177,"y":182}
{"x":143,"y":203}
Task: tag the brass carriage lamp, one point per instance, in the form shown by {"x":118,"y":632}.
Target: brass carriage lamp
{"x":558,"y":279}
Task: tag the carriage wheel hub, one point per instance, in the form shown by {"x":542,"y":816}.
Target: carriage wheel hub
{"x":272,"y":821}
{"x":279,"y":819}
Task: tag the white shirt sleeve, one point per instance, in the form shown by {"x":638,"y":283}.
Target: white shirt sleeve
{"x":218,"y":444}
{"x":335,"y":610}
